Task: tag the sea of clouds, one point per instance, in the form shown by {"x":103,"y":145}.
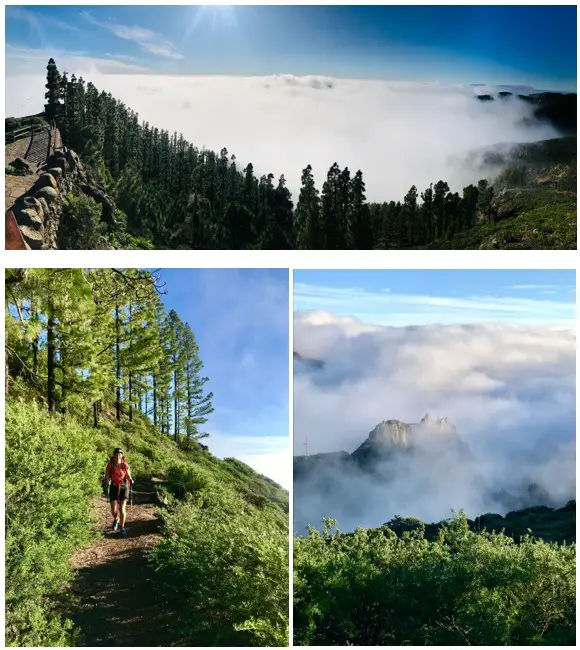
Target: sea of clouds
{"x":399,"y":134}
{"x":509,"y":390}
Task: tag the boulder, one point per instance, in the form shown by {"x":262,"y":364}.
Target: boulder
{"x":30,"y":218}
{"x":72,"y":159}
{"x":61,"y":162}
{"x":45,"y":209}
{"x":48,"y":193}
{"x":55,"y":172}
{"x":25,"y":202}
{"x":34,"y":238}
{"x":46,"y":180}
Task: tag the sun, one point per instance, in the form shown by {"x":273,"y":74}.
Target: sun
{"x":212,"y":17}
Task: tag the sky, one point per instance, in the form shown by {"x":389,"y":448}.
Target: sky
{"x":534,"y":45}
{"x":409,"y":297}
{"x":387,"y":90}
{"x":493,"y":351}
{"x":240,"y":320}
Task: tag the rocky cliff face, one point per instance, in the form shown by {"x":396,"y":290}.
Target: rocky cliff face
{"x":387,"y":441}
{"x":392,"y":436}
{"x":38,"y":211}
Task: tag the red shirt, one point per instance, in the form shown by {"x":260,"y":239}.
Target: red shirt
{"x":118,"y":472}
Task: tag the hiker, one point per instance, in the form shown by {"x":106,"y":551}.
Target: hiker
{"x":118,"y":477}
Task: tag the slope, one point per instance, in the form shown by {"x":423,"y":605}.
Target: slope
{"x":535,"y":200}
{"x":71,"y":582}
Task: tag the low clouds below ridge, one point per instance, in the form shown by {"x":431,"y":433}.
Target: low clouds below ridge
{"x":509,"y":389}
{"x":397,"y":133}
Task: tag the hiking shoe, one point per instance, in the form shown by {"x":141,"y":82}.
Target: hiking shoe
{"x":123,"y":532}
{"x":116,"y":524}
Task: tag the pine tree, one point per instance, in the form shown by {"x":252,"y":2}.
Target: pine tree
{"x":307,"y":218}
{"x":53,"y":91}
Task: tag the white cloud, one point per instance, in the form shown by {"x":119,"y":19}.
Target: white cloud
{"x":390,"y":308}
{"x":397,"y":133}
{"x":147,"y":39}
{"x":24,"y":84}
{"x":509,"y":389}
{"x":268,"y":455}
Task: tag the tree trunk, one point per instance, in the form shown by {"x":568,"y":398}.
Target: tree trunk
{"x":130,"y":396}
{"x":154,"y":400}
{"x":118,"y":362}
{"x":50,"y":366}
{"x":175,"y":414}
{"x":95,"y":414}
{"x":188,"y":403}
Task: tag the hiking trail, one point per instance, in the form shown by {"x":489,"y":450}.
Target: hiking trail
{"x":115,"y":602}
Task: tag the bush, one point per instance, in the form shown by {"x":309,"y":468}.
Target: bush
{"x":81,"y":226}
{"x":51,"y":475}
{"x":374,"y":587}
{"x":224,"y":567}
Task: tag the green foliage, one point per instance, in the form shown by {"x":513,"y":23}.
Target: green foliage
{"x":9,"y":170}
{"x":15,"y":123}
{"x":539,"y":218}
{"x":380,"y":587}
{"x":81,"y":226}
{"x":52,"y":471}
{"x":223,"y":568}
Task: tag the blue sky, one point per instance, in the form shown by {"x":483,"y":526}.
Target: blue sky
{"x":240,"y":320}
{"x":453,"y":44}
{"x":409,"y":297}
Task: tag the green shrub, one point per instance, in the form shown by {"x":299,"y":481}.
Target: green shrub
{"x":374,"y":587}
{"x":224,"y":569}
{"x":81,"y":226}
{"x":51,"y":475}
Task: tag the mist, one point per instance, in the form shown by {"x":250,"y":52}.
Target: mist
{"x":508,"y":389}
{"x":399,"y":134}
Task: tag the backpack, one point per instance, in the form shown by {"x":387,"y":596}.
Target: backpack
{"x":118,"y":472}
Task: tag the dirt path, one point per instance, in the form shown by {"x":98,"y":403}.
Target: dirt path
{"x":116,"y":603}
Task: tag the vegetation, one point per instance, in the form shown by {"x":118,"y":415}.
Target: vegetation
{"x":94,"y":362}
{"x":15,"y":123}
{"x":389,"y":586}
{"x":173,"y":195}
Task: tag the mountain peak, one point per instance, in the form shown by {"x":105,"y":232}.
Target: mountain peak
{"x":394,"y":435}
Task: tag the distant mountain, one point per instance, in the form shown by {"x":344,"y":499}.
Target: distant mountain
{"x":560,"y":109}
{"x":388,"y":440}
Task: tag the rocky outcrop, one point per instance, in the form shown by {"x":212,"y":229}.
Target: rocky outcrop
{"x":386,"y":442}
{"x":394,"y":436}
{"x":38,"y":211}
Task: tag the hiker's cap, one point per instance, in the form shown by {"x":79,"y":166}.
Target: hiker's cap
{"x":118,"y":450}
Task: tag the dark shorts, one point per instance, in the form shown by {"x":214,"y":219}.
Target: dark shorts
{"x":114,"y":494}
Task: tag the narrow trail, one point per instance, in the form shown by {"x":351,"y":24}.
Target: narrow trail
{"x":116,"y":604}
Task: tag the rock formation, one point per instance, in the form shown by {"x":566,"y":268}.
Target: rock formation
{"x":38,"y":211}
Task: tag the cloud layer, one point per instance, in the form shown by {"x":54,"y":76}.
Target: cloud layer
{"x":509,"y":389}
{"x":397,"y":133}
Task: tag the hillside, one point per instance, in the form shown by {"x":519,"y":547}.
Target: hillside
{"x":535,"y":200}
{"x":205,"y":560}
{"x":149,"y":188}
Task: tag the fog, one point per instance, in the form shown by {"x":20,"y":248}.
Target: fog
{"x":399,"y":134}
{"x":509,"y":390}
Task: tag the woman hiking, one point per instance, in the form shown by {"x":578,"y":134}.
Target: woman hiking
{"x":118,"y":477}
